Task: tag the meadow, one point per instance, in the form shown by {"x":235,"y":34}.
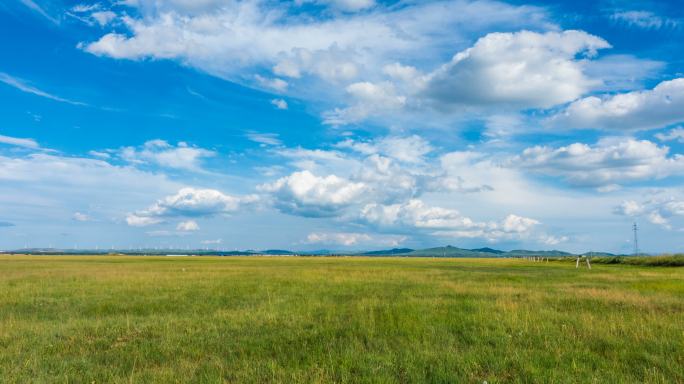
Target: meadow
{"x":116,"y":319}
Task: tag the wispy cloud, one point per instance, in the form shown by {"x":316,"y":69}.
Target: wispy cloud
{"x":644,"y":20}
{"x":19,"y":142}
{"x":24,"y":87}
{"x":264,"y":138}
{"x":38,"y":9}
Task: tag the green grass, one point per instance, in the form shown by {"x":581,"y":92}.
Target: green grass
{"x":307,"y":320}
{"x":652,"y":261}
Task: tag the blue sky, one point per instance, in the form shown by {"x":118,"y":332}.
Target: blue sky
{"x":341,"y":124}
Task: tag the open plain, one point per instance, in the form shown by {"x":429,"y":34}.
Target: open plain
{"x":337,"y":319}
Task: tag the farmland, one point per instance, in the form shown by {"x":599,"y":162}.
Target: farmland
{"x":336,"y":319}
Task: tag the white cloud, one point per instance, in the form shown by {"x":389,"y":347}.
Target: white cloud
{"x":279,"y":103}
{"x":19,"y":142}
{"x":264,"y":138}
{"x":644,"y":20}
{"x":512,"y":70}
{"x":303,"y":193}
{"x":212,"y":242}
{"x":141,"y":221}
{"x":84,"y":8}
{"x":369,"y":98}
{"x":160,"y":152}
{"x":629,"y":208}
{"x":227,"y":38}
{"x":405,"y":73}
{"x":658,"y":210}
{"x":675,"y":134}
{"x":349,"y":239}
{"x":274,"y":84}
{"x":674,"y":207}
{"x":38,"y":9}
{"x":100,"y":154}
{"x":319,"y":160}
{"x":523,"y":69}
{"x":188,"y":226}
{"x":24,"y":87}
{"x":409,"y":149}
{"x":608,"y":188}
{"x":415,"y":213}
{"x":622,"y":72}
{"x":346,"y":239}
{"x":52,"y":187}
{"x":444,"y":222}
{"x":638,"y":110}
{"x":518,"y":224}
{"x":553,"y":240}
{"x":343,"y":5}
{"x":103,"y":17}
{"x":190,"y":202}
{"x":656,"y":218}
{"x":78,"y":216}
{"x":392,"y":168}
{"x":610,"y":161}
{"x":332,"y":64}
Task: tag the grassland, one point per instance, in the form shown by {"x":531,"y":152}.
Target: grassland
{"x":144,"y":319}
{"x":652,"y":261}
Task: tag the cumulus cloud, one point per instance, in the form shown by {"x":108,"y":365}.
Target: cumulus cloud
{"x":369,"y":98}
{"x":415,"y":213}
{"x":631,"y":111}
{"x":19,"y":142}
{"x":517,"y":224}
{"x":629,"y":208}
{"x":279,"y":103}
{"x":518,"y":70}
{"x":161,"y":153}
{"x":658,"y":210}
{"x":271,"y":46}
{"x":523,"y":69}
{"x":610,"y":161}
{"x":445,"y":222}
{"x":306,"y":194}
{"x":188,"y":226}
{"x":411,"y":195}
{"x":392,"y":168}
{"x":190,"y":202}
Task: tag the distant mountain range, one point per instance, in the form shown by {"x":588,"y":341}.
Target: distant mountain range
{"x":448,"y":251}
